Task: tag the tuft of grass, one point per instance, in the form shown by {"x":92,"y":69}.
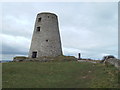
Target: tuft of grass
{"x":59,"y":75}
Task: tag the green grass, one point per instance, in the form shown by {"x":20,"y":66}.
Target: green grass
{"x":58,"y":75}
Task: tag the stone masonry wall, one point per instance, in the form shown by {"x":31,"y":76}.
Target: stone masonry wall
{"x":115,"y":62}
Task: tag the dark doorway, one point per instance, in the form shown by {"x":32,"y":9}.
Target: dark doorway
{"x":34,"y":54}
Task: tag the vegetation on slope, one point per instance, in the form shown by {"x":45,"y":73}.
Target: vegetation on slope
{"x":59,"y":75}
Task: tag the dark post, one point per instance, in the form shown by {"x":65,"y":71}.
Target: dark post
{"x":79,"y":56}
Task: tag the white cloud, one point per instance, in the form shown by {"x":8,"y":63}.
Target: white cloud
{"x":20,"y":44}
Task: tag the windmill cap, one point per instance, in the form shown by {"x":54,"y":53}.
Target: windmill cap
{"x":46,"y":13}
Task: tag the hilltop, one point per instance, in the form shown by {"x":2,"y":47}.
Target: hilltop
{"x":59,"y":74}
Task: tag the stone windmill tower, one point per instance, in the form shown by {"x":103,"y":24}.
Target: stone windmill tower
{"x":46,"y":38}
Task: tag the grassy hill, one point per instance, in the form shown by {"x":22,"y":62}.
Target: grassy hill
{"x":59,"y":75}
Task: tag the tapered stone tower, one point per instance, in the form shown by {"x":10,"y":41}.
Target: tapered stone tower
{"x":46,"y":38}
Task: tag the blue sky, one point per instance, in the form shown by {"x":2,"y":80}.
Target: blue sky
{"x":90,"y":28}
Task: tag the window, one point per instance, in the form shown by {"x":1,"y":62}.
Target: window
{"x":48,"y":16}
{"x":39,"y":19}
{"x":46,"y":40}
{"x":38,"y":28}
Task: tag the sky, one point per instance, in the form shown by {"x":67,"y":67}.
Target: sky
{"x":89,"y":28}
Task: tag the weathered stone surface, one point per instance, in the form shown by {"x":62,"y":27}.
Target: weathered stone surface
{"x":108,"y":57}
{"x":113,"y":61}
{"x":46,"y":59}
{"x":19,"y":58}
{"x":46,"y":38}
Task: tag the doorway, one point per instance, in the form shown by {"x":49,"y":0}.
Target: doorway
{"x":34,"y":54}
